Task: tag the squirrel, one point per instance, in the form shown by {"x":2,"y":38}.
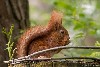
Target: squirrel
{"x":39,"y":38}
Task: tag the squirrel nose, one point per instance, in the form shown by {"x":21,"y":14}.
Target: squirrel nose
{"x":68,"y":37}
{"x":66,"y":40}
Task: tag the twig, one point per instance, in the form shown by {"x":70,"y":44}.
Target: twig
{"x":62,"y":47}
{"x":55,"y":48}
{"x":41,"y":59}
{"x":53,"y":59}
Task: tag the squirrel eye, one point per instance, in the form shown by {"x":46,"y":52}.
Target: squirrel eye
{"x":62,"y":31}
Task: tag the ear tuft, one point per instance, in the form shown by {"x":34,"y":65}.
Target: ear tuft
{"x":56,"y":17}
{"x":55,"y":20}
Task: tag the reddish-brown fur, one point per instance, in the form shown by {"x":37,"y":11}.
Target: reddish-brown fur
{"x":40,"y":38}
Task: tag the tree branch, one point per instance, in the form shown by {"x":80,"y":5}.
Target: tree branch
{"x":55,"y":48}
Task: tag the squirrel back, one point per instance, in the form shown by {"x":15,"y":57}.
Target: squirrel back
{"x":39,"y":37}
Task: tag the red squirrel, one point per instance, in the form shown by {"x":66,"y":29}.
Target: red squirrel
{"x":39,"y":38}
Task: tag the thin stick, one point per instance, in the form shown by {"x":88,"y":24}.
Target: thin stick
{"x":42,"y":59}
{"x":55,"y":48}
{"x":62,"y":47}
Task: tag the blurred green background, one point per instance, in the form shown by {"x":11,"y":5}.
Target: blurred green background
{"x":81,"y":19}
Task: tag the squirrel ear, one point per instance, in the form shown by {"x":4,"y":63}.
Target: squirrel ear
{"x":56,"y":19}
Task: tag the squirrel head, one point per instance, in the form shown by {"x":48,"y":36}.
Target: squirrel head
{"x":59,"y":34}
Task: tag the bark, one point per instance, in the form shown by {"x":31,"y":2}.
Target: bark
{"x":12,"y":12}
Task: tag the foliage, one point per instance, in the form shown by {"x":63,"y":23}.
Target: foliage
{"x":96,"y":53}
{"x":97,"y":43}
{"x":10,"y":44}
{"x":75,"y":15}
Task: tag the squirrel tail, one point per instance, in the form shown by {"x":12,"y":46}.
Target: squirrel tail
{"x":26,"y":38}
